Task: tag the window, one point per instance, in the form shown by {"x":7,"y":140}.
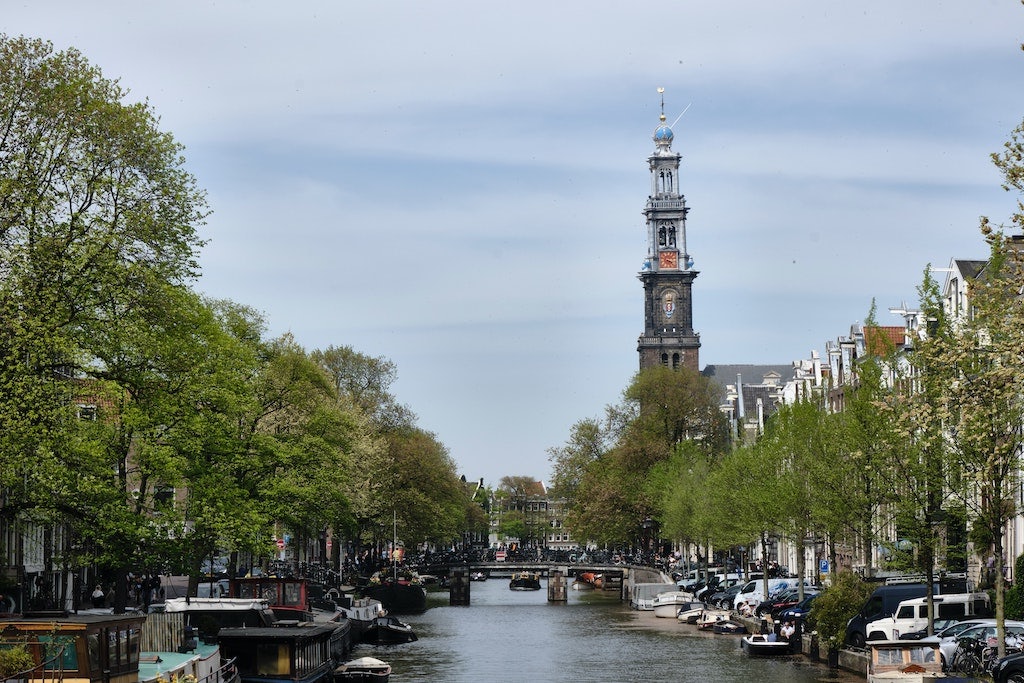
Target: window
{"x":87,"y":411}
{"x":953,"y":610}
{"x":163,"y":496}
{"x":59,"y":654}
{"x":272,"y":660}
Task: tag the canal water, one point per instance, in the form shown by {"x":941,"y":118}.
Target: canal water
{"x":510,"y":636}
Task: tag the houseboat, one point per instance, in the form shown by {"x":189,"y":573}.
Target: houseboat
{"x":80,"y":648}
{"x":287,"y":652}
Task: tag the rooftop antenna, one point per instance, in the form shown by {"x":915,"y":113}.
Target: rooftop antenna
{"x":661,"y":91}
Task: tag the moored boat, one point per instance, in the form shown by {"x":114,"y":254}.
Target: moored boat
{"x":292,"y":652}
{"x":728,"y":627}
{"x":764,"y":645}
{"x":709,"y":617}
{"x":96,"y":646}
{"x":360,"y":612}
{"x":690,"y":614}
{"x":398,"y":595}
{"x":365,"y":669}
{"x":388,"y":630}
{"x":641,"y":595}
{"x":290,"y":598}
{"x":668,"y":604}
{"x":478,"y":576}
{"x":525,"y":581}
{"x":587,"y":581}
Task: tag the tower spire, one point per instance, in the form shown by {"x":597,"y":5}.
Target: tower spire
{"x":668,"y":274}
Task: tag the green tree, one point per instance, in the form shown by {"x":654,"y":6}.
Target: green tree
{"x":917,"y":470}
{"x":98,"y":232}
{"x":835,"y":606}
{"x":662,"y":411}
{"x":512,"y":525}
{"x":858,"y":485}
{"x":747,"y":483}
{"x":585,"y":445}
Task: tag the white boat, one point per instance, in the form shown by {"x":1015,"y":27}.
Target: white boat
{"x":668,"y":604}
{"x":709,"y":617}
{"x":641,"y":595}
{"x":363,"y":669}
{"x":765,"y":645}
{"x":904,"y":661}
{"x":361,"y":612}
{"x":690,"y":615}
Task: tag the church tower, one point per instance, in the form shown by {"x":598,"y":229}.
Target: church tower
{"x":667,"y":274}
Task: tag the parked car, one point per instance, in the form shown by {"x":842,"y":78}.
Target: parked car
{"x":783,"y":600}
{"x":1009,"y":669}
{"x":884,"y":600}
{"x":753,"y":593}
{"x":948,"y":644}
{"x":797,"y":612}
{"x":937,"y":627}
{"x":726,"y":597}
{"x":912,"y":614}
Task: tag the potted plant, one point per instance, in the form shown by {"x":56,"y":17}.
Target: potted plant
{"x":831,"y":611}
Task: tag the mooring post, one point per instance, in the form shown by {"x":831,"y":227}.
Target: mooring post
{"x":459,"y":588}
{"x":556,"y":586}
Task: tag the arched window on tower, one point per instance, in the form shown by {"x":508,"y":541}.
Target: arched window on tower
{"x":664,"y":359}
{"x":675,"y":361}
{"x":668,"y":188}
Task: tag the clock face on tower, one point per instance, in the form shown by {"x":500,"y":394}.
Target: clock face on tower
{"x":668,"y":259}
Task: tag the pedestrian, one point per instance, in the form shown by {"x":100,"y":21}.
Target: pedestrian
{"x":98,"y":596}
{"x":787,"y":630}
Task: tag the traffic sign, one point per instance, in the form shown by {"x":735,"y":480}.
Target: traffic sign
{"x":280,"y":543}
{"x":823,"y":565}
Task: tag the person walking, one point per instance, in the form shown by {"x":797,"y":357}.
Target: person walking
{"x":98,"y":596}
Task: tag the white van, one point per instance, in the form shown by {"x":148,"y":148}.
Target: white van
{"x":752,"y":592}
{"x":912,"y":615}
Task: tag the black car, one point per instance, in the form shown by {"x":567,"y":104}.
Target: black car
{"x":799,"y":611}
{"x":1009,"y":669}
{"x":784,"y":599}
{"x":726,"y":597}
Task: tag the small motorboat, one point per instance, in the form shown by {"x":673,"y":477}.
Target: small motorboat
{"x":388,"y":630}
{"x":478,"y":576}
{"x":668,"y":604}
{"x":363,"y":669}
{"x":525,"y":581}
{"x":690,"y":615}
{"x":765,"y":645}
{"x":728,"y":627}
{"x":709,"y":617}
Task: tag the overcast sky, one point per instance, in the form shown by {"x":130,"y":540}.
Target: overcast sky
{"x":459,"y":186}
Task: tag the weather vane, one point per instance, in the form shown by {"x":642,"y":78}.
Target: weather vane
{"x":661,"y":91}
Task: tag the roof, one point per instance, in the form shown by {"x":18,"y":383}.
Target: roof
{"x":749,"y":374}
{"x":880,"y":339}
{"x":969,"y":267}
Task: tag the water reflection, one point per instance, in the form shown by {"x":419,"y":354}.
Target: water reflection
{"x":518,"y":636}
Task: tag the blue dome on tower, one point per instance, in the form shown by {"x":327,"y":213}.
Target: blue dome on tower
{"x":663,"y":133}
